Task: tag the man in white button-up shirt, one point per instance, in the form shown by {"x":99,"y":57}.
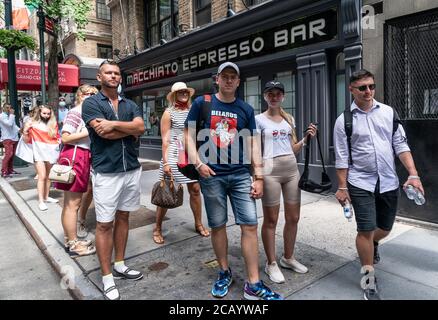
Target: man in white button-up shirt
{"x":9,"y":136}
{"x":370,"y":180}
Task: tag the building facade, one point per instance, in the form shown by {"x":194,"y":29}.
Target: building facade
{"x":400,"y":46}
{"x":311,"y":46}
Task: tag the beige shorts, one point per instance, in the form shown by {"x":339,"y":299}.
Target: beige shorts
{"x":115,"y":191}
{"x":281,"y":176}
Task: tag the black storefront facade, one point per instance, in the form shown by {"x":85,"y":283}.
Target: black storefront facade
{"x":311,"y":46}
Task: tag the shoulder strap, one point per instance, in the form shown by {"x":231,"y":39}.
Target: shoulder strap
{"x":203,"y":116}
{"x":320,"y":151}
{"x":348,"y":126}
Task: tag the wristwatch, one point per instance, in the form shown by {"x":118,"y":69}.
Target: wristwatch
{"x":258,"y":177}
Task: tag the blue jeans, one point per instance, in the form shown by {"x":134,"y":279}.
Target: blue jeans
{"x":237,"y":187}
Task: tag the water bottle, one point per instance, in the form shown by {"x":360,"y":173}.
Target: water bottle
{"x":414,"y":194}
{"x":348,"y":210}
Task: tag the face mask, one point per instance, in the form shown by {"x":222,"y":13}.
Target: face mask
{"x":62,"y":104}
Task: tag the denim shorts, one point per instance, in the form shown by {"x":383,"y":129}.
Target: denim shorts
{"x":237,"y":187}
{"x":374,"y":209}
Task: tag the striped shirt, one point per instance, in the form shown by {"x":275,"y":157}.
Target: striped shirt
{"x":73,"y":123}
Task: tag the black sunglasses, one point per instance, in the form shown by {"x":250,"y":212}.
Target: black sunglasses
{"x":364,"y":87}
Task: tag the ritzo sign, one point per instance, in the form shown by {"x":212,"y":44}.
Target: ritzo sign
{"x":301,"y":32}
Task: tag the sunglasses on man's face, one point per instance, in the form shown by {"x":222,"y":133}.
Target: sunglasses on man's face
{"x":364,"y":87}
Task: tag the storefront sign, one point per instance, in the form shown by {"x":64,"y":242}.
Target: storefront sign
{"x":298,"y":33}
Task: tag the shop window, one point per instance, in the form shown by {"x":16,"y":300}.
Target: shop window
{"x":102,"y":10}
{"x":252,"y":93}
{"x":161,"y":20}
{"x":104,"y":51}
{"x":202,"y":12}
{"x":288,"y":80}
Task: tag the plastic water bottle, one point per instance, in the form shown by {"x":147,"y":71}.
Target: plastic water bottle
{"x":348,"y":210}
{"x":414,"y":194}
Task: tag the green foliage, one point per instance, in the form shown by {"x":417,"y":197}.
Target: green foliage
{"x":15,"y":39}
{"x":76,"y":10}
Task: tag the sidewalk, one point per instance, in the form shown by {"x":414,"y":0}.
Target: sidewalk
{"x":185,"y":267}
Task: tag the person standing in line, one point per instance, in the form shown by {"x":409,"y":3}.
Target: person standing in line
{"x":9,"y":136}
{"x":114,"y":123}
{"x":225,"y":173}
{"x":369,"y":181}
{"x":42,"y":133}
{"x":76,"y":144}
{"x":62,"y":113}
{"x":172,"y":129}
{"x":281,"y":175}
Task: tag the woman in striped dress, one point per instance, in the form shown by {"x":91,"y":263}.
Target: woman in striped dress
{"x":172,"y":129}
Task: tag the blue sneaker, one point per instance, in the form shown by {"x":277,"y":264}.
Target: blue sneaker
{"x":223,"y":281}
{"x":259,"y":291}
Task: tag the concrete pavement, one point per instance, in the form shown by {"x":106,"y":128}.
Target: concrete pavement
{"x":185,"y":267}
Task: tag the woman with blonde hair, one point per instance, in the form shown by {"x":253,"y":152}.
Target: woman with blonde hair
{"x":172,"y":128}
{"x":281,"y":176}
{"x":42,"y":133}
{"x":76,"y":145}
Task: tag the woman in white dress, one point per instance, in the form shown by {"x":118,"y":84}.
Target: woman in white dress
{"x":42,"y":132}
{"x":172,"y":129}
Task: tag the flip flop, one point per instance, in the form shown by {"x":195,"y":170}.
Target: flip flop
{"x":157,"y":236}
{"x":202,"y":230}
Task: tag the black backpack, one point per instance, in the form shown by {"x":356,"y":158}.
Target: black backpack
{"x":186,"y":168}
{"x":348,"y":126}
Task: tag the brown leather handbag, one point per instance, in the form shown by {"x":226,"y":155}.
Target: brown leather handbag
{"x":167,"y":194}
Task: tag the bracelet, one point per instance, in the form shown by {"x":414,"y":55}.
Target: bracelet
{"x":342,"y":188}
{"x":414,"y":177}
{"x":304,"y":142}
{"x":165,"y":164}
{"x":199,"y":165}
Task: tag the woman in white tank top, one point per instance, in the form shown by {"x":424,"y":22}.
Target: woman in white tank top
{"x":281,"y":176}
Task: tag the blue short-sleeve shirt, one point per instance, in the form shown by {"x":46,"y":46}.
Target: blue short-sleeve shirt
{"x":224,"y":133}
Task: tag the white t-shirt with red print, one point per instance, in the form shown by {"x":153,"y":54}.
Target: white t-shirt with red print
{"x":276,"y":136}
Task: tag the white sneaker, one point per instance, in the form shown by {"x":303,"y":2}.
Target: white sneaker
{"x":51,"y":200}
{"x":293,"y":264}
{"x":274,"y":272}
{"x":81,"y":231}
{"x":42,"y":206}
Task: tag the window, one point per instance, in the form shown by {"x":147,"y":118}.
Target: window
{"x":288,"y":80}
{"x":253,"y":2}
{"x":252,"y":93}
{"x":104,"y":51}
{"x":202,"y":12}
{"x":102,"y":10}
{"x":161,"y":20}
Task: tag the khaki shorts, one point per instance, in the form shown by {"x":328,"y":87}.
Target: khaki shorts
{"x":115,"y":191}
{"x":281,"y":176}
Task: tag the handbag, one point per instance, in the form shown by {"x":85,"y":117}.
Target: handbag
{"x":186,"y":168}
{"x":165,"y":194}
{"x":64,"y":173}
{"x":308,"y":184}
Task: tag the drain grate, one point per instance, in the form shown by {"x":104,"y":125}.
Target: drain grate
{"x":211,"y":264}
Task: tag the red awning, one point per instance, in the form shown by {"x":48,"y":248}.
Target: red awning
{"x":29,"y":76}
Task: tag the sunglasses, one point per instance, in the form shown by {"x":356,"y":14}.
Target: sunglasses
{"x":364,"y":87}
{"x":89,"y":94}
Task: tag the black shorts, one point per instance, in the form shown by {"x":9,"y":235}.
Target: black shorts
{"x":374,"y":209}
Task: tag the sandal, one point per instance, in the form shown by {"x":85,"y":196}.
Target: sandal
{"x":199,"y":228}
{"x":77,"y":249}
{"x":157,"y":236}
{"x":85,"y":243}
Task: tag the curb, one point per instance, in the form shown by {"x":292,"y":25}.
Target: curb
{"x":79,"y":287}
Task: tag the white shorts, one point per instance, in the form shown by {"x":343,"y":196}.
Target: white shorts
{"x":115,"y":191}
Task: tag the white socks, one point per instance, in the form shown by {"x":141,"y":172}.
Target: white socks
{"x":119,"y":266}
{"x":108,"y":282}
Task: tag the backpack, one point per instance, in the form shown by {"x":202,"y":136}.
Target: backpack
{"x":186,"y":168}
{"x":348,"y":126}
